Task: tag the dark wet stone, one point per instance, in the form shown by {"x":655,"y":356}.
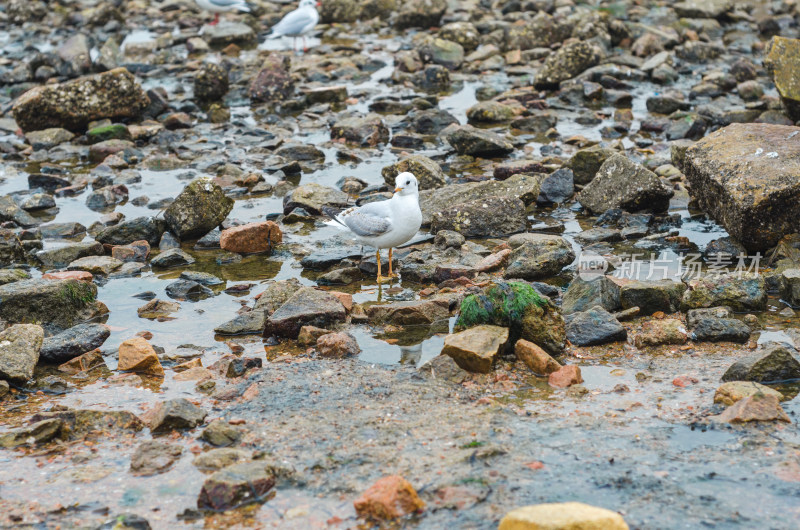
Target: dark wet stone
{"x":187,"y":290}
{"x":772,"y":364}
{"x":229,"y":33}
{"x":566,"y":63}
{"x":37,"y":201}
{"x":324,"y":258}
{"x":237,"y":367}
{"x":593,"y":327}
{"x":47,"y":182}
{"x":73,"y":342}
{"x":666,"y":104}
{"x":306,"y":307}
{"x":220,"y":433}
{"x":168,"y":242}
{"x":557,"y":187}
{"x":585,"y":293}
{"x":429,"y":121}
{"x":234,"y":486}
{"x":621,"y":183}
{"x":153,"y":457}
{"x":711,"y":329}
{"x":126,"y":232}
{"x":363,"y":131}
{"x":176,"y":414}
{"x":56,"y":304}
{"x":115,"y":94}
{"x":210,"y":82}
{"x":63,"y":256}
{"x":504,"y":170}
{"x":688,"y":125}
{"x":420,"y":14}
{"x":433,"y":78}
{"x":343,"y":276}
{"x":174,"y":257}
{"x":9,"y":211}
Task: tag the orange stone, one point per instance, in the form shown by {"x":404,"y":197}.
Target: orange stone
{"x":535,"y":358}
{"x":69,"y":275}
{"x":82,"y":363}
{"x":251,"y":238}
{"x":344,"y":298}
{"x":137,"y":355}
{"x":195,"y":373}
{"x":567,"y":376}
{"x":389,"y":498}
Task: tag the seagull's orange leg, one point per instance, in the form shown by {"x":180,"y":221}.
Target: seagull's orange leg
{"x":391,"y":274}
{"x":381,"y":279}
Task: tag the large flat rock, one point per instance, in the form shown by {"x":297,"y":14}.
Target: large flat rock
{"x":746,"y":176}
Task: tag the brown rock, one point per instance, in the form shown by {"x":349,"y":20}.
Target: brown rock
{"x":733,"y":391}
{"x":758,"y":407}
{"x":137,"y":355}
{"x":309,"y":334}
{"x":535,"y":358}
{"x":69,"y":275}
{"x":658,"y":332}
{"x":337,"y":345}
{"x":234,"y":486}
{"x":566,"y":376}
{"x":136,"y":251}
{"x":251,"y":238}
{"x":475,"y":349}
{"x":389,"y":498}
{"x":83,"y":363}
{"x":195,"y":373}
{"x":493,"y":261}
{"x":345,"y":298}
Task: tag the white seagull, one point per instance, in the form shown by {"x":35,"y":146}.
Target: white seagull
{"x":298,"y":22}
{"x":222,"y":6}
{"x":385,"y":224}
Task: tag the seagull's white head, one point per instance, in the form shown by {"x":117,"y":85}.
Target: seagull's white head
{"x":309,"y":3}
{"x":406,"y":184}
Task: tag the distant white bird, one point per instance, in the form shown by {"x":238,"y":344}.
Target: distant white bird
{"x":222,"y":6}
{"x":298,"y":22}
{"x":385,"y":224}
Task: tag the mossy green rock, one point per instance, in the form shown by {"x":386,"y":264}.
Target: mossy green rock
{"x":54,"y":304}
{"x":519,"y":307}
{"x":586,"y":163}
{"x":783,"y":63}
{"x":115,"y":131}
{"x":339,"y":11}
{"x":441,"y":51}
{"x":489,"y":112}
{"x":201,"y":207}
{"x":746,"y":292}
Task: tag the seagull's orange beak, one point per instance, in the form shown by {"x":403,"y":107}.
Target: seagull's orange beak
{"x":319,"y":4}
{"x":398,"y":190}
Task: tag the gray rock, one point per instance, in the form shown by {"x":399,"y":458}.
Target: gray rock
{"x":539,"y":256}
{"x":62,"y":256}
{"x":772,"y":364}
{"x":710,"y":329}
{"x":153,"y":457}
{"x":226,"y":33}
{"x":39,"y":432}
{"x":13,"y":275}
{"x":429,"y":121}
{"x":246,"y":323}
{"x":187,"y":290}
{"x":651,"y":296}
{"x":585,"y":163}
{"x":306,"y":307}
{"x":420,"y":14}
{"x":200,"y":207}
{"x":10,"y":211}
{"x":19,"y":351}
{"x":176,"y":414}
{"x":221,"y":434}
{"x":740,"y":292}
{"x":174,"y":257}
{"x":441,"y":51}
{"x":790,"y":280}
{"x":313,"y":197}
{"x":757,"y":202}
{"x":428,"y":172}
{"x":566,"y":63}
{"x":48,"y":138}
{"x":488,"y":217}
{"x":97,"y":265}
{"x":343,"y":276}
{"x":621,"y":183}
{"x":523,"y":187}
{"x":366,"y":131}
{"x":410,"y":313}
{"x":468,"y":140}
{"x":593,"y":327}
{"x":73,"y":342}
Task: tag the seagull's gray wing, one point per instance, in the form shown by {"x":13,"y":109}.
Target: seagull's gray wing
{"x":294,"y":22}
{"x":369,"y":220}
{"x":240,"y":4}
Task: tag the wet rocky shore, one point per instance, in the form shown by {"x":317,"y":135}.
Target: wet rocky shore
{"x":596,"y":323}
